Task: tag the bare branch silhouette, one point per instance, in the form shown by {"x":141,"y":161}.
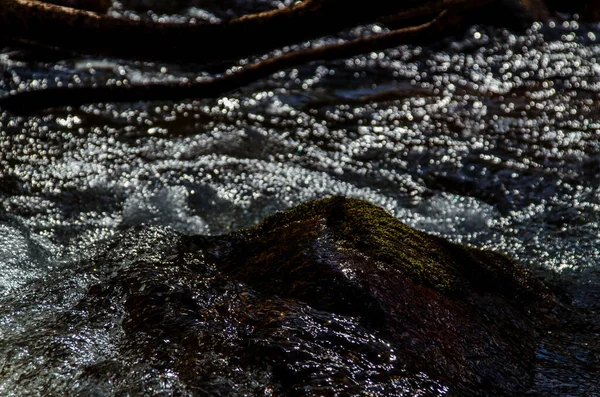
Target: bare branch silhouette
{"x":52,"y":26}
{"x":31,"y":101}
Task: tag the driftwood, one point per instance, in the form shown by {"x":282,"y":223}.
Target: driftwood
{"x":81,"y":31}
{"x":99,"y":6}
{"x":87,"y":32}
{"x":218,"y":86}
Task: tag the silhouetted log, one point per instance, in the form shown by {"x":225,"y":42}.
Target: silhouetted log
{"x":31,"y":101}
{"x":87,"y":32}
{"x":99,"y":6}
{"x":82,"y":31}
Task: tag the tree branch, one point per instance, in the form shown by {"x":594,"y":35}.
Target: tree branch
{"x":87,"y":32}
{"x":83,"y":31}
{"x":27,"y":102}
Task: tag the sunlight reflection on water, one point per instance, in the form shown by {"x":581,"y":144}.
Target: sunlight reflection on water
{"x":492,"y":140}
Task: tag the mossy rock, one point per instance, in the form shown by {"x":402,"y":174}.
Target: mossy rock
{"x":359,"y":227}
{"x":463,"y":315}
{"x":334,"y":297}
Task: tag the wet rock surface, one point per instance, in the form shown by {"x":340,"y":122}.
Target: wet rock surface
{"x":461,"y":314}
{"x":334,"y":296}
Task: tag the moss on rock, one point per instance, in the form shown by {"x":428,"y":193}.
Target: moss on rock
{"x":457,"y":313}
{"x":334,"y":297}
{"x":427,"y":260}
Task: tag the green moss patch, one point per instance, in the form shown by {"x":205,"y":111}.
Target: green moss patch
{"x":426,"y":259}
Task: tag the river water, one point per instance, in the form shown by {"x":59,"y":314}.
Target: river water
{"x":490,"y":139}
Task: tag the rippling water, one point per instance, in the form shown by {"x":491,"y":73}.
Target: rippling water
{"x":491,"y":139}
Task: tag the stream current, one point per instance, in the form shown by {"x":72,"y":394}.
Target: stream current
{"x":490,"y":139}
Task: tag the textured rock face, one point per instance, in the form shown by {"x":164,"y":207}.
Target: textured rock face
{"x":333,"y":297}
{"x":459,"y":314}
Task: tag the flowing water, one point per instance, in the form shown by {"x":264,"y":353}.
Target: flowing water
{"x":490,"y":139}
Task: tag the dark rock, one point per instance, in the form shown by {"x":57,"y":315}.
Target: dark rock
{"x":459,"y":314}
{"x":334,"y":297}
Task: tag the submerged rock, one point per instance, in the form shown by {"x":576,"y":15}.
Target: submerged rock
{"x":334,"y":297}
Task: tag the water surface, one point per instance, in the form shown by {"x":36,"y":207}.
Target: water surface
{"x":490,"y":139}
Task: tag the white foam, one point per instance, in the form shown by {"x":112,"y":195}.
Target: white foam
{"x":21,"y":259}
{"x":164,"y":206}
{"x":451,"y":215}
